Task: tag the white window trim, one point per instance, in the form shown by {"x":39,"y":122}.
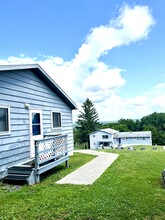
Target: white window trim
{"x":9,"y":131}
{"x":55,"y":128}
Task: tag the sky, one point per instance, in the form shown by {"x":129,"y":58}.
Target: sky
{"x":110,"y":51}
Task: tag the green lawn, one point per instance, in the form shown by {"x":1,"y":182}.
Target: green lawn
{"x":130,"y":188}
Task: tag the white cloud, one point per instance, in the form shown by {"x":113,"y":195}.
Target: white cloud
{"x":97,"y":79}
{"x":135,"y":23}
{"x":18,"y":60}
{"x":136,"y":107}
{"x":86,"y":76}
{"x":103,"y":78}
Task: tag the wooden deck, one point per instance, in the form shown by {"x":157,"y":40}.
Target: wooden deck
{"x":49,"y":153}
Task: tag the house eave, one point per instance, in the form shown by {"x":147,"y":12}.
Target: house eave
{"x":36,"y":68}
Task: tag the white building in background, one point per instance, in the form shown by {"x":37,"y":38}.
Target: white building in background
{"x":102,"y":138}
{"x":113,"y":138}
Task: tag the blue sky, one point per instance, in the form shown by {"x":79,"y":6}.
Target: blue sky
{"x":112,"y":52}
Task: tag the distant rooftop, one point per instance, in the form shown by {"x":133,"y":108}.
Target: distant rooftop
{"x":109,"y":130}
{"x":133,"y":134}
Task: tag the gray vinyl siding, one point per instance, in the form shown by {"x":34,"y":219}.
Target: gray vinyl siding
{"x":16,"y":89}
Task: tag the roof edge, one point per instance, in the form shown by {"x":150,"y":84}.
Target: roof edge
{"x":34,"y":66}
{"x":18,"y":66}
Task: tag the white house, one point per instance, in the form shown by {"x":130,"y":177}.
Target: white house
{"x":102,"y":138}
{"x":132,"y":138}
{"x":113,"y":138}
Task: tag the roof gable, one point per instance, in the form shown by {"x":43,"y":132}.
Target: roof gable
{"x":109,"y":130}
{"x":45,"y":77}
{"x":106,"y":131}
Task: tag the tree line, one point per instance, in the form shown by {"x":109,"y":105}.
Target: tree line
{"x":88,"y":121}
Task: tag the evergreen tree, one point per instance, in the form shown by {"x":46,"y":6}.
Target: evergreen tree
{"x":88,"y":121}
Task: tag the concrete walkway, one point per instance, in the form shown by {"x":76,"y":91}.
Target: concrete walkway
{"x":88,"y":173}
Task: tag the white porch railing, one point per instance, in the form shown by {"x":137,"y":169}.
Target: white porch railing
{"x":50,"y":152}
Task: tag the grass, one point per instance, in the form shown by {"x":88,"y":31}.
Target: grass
{"x":130,"y":188}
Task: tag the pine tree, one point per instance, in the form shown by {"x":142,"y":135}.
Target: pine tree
{"x":88,"y":121}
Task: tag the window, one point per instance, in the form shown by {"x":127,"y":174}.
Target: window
{"x":36,"y":124}
{"x":105,"y":136}
{"x":56,"y":120}
{"x":4,"y":120}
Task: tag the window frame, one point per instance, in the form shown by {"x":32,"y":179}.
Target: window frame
{"x":57,"y":112}
{"x":9,"y":126}
{"x":105,"y":136}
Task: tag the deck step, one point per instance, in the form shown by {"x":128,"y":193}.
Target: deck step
{"x":20,"y":170}
{"x":25,"y":173}
{"x":19,"y":174}
{"x":16,"y":177}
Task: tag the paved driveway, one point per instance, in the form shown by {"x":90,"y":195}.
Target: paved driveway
{"x":88,"y":173}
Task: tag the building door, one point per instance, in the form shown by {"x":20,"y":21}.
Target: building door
{"x":36,"y":129}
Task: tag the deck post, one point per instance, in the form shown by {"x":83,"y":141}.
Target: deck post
{"x":37,"y":177}
{"x":67,"y":163}
{"x":66,"y":154}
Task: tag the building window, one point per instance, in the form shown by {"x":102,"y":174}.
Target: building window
{"x":56,"y":120}
{"x":93,"y":135}
{"x":105,"y":136}
{"x":4,"y":120}
{"x":36,"y":123}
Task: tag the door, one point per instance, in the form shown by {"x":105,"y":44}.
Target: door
{"x":36,"y":129}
